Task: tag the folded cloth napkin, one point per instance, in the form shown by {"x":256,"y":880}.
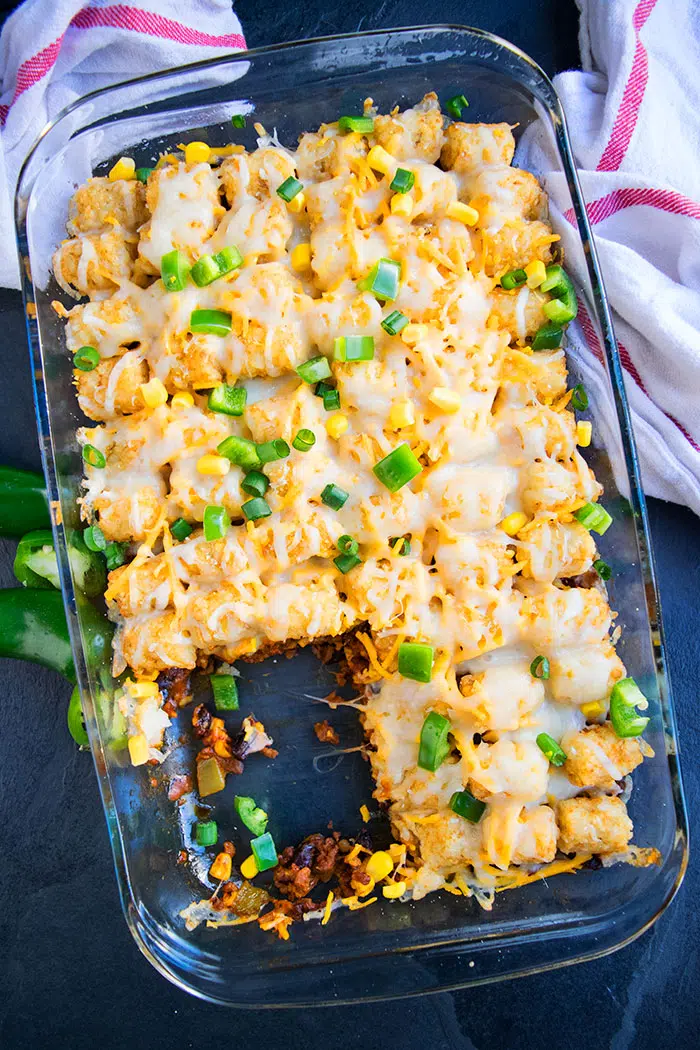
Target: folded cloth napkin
{"x":634,"y":119}
{"x":54,"y":51}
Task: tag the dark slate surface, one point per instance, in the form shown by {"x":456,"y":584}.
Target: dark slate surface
{"x":71,"y":977}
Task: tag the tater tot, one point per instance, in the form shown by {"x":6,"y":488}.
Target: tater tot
{"x":94,"y":262}
{"x":258,"y":174}
{"x":585,"y":674}
{"x":468,"y":146}
{"x":101,"y":204}
{"x":128,"y":515}
{"x":598,"y":757}
{"x":328,"y":153}
{"x":416,"y":132}
{"x":155,"y":641}
{"x":113,"y":388}
{"x":593,"y":825}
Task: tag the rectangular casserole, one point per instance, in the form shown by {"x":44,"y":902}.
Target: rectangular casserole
{"x":442,"y":941}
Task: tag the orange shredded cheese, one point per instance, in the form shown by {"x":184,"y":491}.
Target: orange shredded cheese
{"x":372,"y":654}
{"x":328,"y":909}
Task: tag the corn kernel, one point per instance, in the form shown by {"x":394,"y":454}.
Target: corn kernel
{"x":379,"y":865}
{"x":364,"y":813}
{"x":249,"y":869}
{"x":221,"y":868}
{"x":593,"y":710}
{"x":413,"y":333}
{"x":463,"y":213}
{"x":584,"y":430}
{"x":183,"y":399}
{"x":297,"y":204}
{"x":125,"y":168}
{"x":381,"y":160}
{"x":536,"y":273}
{"x":402,"y":204}
{"x":444,"y":399}
{"x":394,"y":890}
{"x":138,"y":749}
{"x":213,"y":466}
{"x":154,"y":393}
{"x":301,"y":257}
{"x":514,"y":523}
{"x":141,"y":690}
{"x":401,"y":414}
{"x":197,"y":153}
{"x":397,"y":851}
{"x":337,"y":425}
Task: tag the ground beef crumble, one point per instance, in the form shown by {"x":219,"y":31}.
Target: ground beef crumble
{"x":584,"y":580}
{"x":174,"y":684}
{"x":217,"y":742}
{"x":181,"y":784}
{"x":326,"y":733}
{"x":301,"y":868}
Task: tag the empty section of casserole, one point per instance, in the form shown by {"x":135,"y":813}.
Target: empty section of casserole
{"x":488,"y":420}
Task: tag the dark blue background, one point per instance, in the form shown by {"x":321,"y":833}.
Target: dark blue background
{"x":70,"y":976}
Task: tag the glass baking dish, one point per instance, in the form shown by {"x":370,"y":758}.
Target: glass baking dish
{"x":443,"y":941}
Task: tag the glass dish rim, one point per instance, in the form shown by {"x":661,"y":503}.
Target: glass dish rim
{"x":647,"y":570}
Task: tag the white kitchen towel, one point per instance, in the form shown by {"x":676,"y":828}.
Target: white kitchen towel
{"x":634,"y":119}
{"x":54,"y":51}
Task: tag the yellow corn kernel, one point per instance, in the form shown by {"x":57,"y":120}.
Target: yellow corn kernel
{"x":183,"y":399}
{"x":381,"y":160}
{"x":380,"y":865}
{"x":394,"y":890}
{"x":594,"y":709}
{"x":413,"y":333}
{"x":397,"y":851}
{"x":221,"y":868}
{"x":462,"y":213}
{"x":142,"y":690}
{"x":337,"y":425}
{"x":249,"y":869}
{"x":402,"y":204}
{"x":154,"y":393}
{"x":364,"y":813}
{"x":297,"y":204}
{"x":584,"y":430}
{"x":301,"y":257}
{"x":197,"y":153}
{"x":444,"y":399}
{"x":401,"y":414}
{"x":514,"y":523}
{"x":138,"y":749}
{"x":536,"y":273}
{"x":213,"y":466}
{"x":125,"y":168}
